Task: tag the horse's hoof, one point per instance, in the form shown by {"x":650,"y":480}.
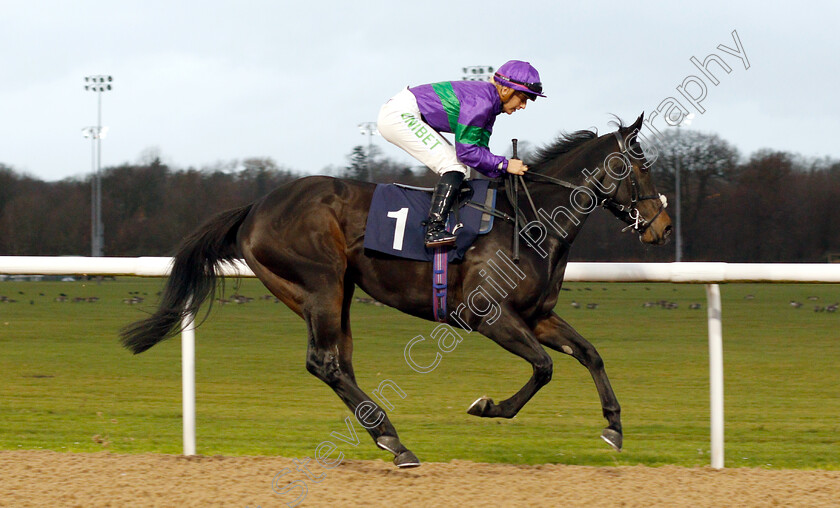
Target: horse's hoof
{"x":406,"y":460}
{"x":613,"y":438}
{"x":403,"y":458}
{"x":480,"y":407}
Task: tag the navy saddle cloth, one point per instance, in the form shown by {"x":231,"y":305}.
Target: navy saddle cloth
{"x":396,"y":212}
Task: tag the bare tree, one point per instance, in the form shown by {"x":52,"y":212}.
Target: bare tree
{"x":706,"y":163}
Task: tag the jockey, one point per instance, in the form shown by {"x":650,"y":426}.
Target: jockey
{"x":414,"y":118}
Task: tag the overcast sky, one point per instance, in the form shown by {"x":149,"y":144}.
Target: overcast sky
{"x":210,"y":81}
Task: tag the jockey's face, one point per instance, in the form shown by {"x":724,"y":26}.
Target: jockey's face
{"x":516,"y":102}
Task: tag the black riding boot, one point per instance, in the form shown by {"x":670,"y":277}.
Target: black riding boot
{"x":442,"y":199}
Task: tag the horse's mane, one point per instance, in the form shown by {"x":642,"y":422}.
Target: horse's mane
{"x":565,"y":143}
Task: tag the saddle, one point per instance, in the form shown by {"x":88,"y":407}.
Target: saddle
{"x":397,"y":211}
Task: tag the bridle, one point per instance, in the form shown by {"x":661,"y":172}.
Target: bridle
{"x":630,"y":213}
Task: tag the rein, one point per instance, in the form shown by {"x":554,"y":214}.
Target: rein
{"x":629,"y":213}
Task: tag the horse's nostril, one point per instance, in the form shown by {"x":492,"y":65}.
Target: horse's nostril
{"x":667,"y":231}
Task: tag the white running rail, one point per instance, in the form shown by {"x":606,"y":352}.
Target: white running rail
{"x":710,"y":274}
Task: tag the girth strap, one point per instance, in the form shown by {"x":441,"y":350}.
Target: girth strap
{"x":439,"y":283}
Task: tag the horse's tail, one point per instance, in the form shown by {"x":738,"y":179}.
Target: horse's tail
{"x":192,"y":280}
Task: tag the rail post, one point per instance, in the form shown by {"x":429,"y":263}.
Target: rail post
{"x":715,"y":373}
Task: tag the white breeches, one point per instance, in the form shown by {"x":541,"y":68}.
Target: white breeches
{"x":400,"y":123}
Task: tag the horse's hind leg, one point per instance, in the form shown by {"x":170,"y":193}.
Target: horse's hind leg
{"x":322,"y":298}
{"x":329,"y":358}
{"x":557,"y":334}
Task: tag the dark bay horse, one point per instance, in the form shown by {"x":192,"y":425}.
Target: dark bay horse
{"x":304,"y":241}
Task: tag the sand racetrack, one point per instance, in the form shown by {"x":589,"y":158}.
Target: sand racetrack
{"x":45,"y":478}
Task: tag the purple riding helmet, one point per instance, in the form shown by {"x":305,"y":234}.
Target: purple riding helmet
{"x":521,"y":76}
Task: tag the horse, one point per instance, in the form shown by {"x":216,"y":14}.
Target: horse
{"x":304,"y":241}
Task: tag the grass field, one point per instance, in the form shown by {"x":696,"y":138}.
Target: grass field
{"x":67,"y":384}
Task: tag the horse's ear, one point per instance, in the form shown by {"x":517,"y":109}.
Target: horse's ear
{"x":637,"y":125}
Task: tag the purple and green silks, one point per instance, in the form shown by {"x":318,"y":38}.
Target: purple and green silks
{"x":468,"y":109}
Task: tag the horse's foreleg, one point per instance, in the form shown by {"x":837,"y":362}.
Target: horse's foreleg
{"x":510,"y":332}
{"x":328,"y":357}
{"x":557,"y":334}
